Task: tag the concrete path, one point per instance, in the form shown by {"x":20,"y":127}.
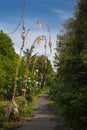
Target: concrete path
{"x":44,"y":119}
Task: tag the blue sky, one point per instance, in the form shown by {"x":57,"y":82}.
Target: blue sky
{"x":51,"y":12}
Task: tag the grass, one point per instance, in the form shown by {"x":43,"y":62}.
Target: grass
{"x":29,"y":110}
{"x":25,"y":111}
{"x":3,"y":121}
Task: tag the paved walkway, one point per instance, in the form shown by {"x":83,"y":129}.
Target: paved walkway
{"x":45,"y":118}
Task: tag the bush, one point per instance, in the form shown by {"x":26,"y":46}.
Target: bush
{"x":3,"y":120}
{"x":72,"y":105}
{"x":21,"y":101}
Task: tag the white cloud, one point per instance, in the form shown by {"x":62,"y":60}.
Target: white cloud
{"x":62,"y":14}
{"x":58,"y":11}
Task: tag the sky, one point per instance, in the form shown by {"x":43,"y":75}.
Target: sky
{"x":51,"y":13}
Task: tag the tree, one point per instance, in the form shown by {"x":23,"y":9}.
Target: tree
{"x":45,"y":70}
{"x":70,"y":88}
{"x":40,"y":63}
{"x":8,"y":58}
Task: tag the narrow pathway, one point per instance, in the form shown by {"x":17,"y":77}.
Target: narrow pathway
{"x":45,"y":118}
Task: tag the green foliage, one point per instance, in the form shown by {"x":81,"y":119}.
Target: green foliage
{"x":71,"y":105}
{"x":21,"y":101}
{"x":42,"y":65}
{"x":29,"y":110}
{"x":22,"y":105}
{"x":8,"y":59}
{"x":3,"y":120}
{"x":69,"y":87}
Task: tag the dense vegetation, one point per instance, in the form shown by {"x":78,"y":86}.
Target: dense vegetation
{"x":69,"y":86}
{"x":8,"y":63}
{"x":34,"y":73}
